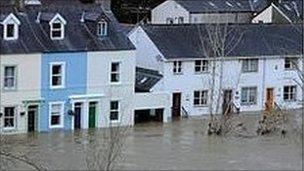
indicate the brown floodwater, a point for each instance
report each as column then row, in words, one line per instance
column 178, row 145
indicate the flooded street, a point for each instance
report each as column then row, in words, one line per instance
column 179, row 145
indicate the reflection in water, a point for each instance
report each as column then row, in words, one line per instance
column 177, row 145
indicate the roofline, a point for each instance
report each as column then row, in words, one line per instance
column 221, row 12
column 80, row 51
column 233, row 57
column 282, row 13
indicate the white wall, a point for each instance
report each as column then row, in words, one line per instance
column 169, row 9
column 28, row 85
column 271, row 74
column 147, row 55
column 99, row 83
column 265, row 16
column 221, row 18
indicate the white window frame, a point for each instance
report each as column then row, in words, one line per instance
column 290, row 93
column 248, row 95
column 169, row 20
column 14, row 118
column 292, row 65
column 115, row 110
column 102, row 29
column 115, row 72
column 11, row 19
column 14, row 77
column 63, row 65
column 61, row 29
column 201, row 98
column 181, row 20
column 250, row 64
column 204, row 66
column 61, row 125
column 177, row 67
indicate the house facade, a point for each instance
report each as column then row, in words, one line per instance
column 283, row 11
column 66, row 68
column 200, row 11
column 250, row 76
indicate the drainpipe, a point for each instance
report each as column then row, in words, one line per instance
column 263, row 82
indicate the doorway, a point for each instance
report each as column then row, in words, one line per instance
column 92, row 114
column 227, row 98
column 269, row 105
column 32, row 113
column 77, row 115
column 176, row 107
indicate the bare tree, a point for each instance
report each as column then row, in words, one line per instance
column 218, row 41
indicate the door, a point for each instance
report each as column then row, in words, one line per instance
column 92, row 114
column 176, row 105
column 32, row 112
column 227, row 98
column 269, row 99
column 77, row 116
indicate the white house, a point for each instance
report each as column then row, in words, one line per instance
column 282, row 11
column 203, row 11
column 257, row 66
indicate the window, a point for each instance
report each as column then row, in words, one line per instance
column 56, row 115
column 249, row 95
column 291, row 63
column 115, row 72
column 9, row 77
column 114, row 111
column 102, row 28
column 180, row 20
column 250, row 65
column 9, row 117
column 57, row 77
column 201, row 66
column 177, row 67
column 57, row 30
column 200, row 98
column 290, row 93
column 170, row 21
column 10, row 31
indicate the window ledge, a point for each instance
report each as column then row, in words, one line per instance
column 9, row 89
column 200, row 106
column 203, row 72
column 248, row 104
column 56, row 127
column 180, row 73
column 57, row 87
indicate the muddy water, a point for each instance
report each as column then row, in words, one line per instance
column 178, row 145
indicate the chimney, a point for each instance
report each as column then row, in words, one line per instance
column 19, row 4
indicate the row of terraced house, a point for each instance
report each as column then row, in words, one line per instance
column 67, row 65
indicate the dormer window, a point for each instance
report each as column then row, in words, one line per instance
column 57, row 30
column 102, row 29
column 57, row 25
column 11, row 27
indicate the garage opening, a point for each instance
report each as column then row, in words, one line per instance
column 148, row 115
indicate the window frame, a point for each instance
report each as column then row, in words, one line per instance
column 177, row 67
column 115, row 110
column 290, row 93
column 13, row 117
column 61, row 30
column 63, row 65
column 115, row 72
column 201, row 98
column 248, row 95
column 14, row 77
column 201, row 66
column 293, row 66
column 181, row 20
column 61, row 114
column 169, row 20
column 250, row 69
column 102, row 31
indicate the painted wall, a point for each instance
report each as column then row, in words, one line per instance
column 98, row 75
column 75, row 83
column 169, row 9
column 270, row 15
column 221, row 18
column 28, row 86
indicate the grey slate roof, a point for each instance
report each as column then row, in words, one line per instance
column 211, row 6
column 34, row 37
column 293, row 9
column 243, row 40
column 146, row 79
